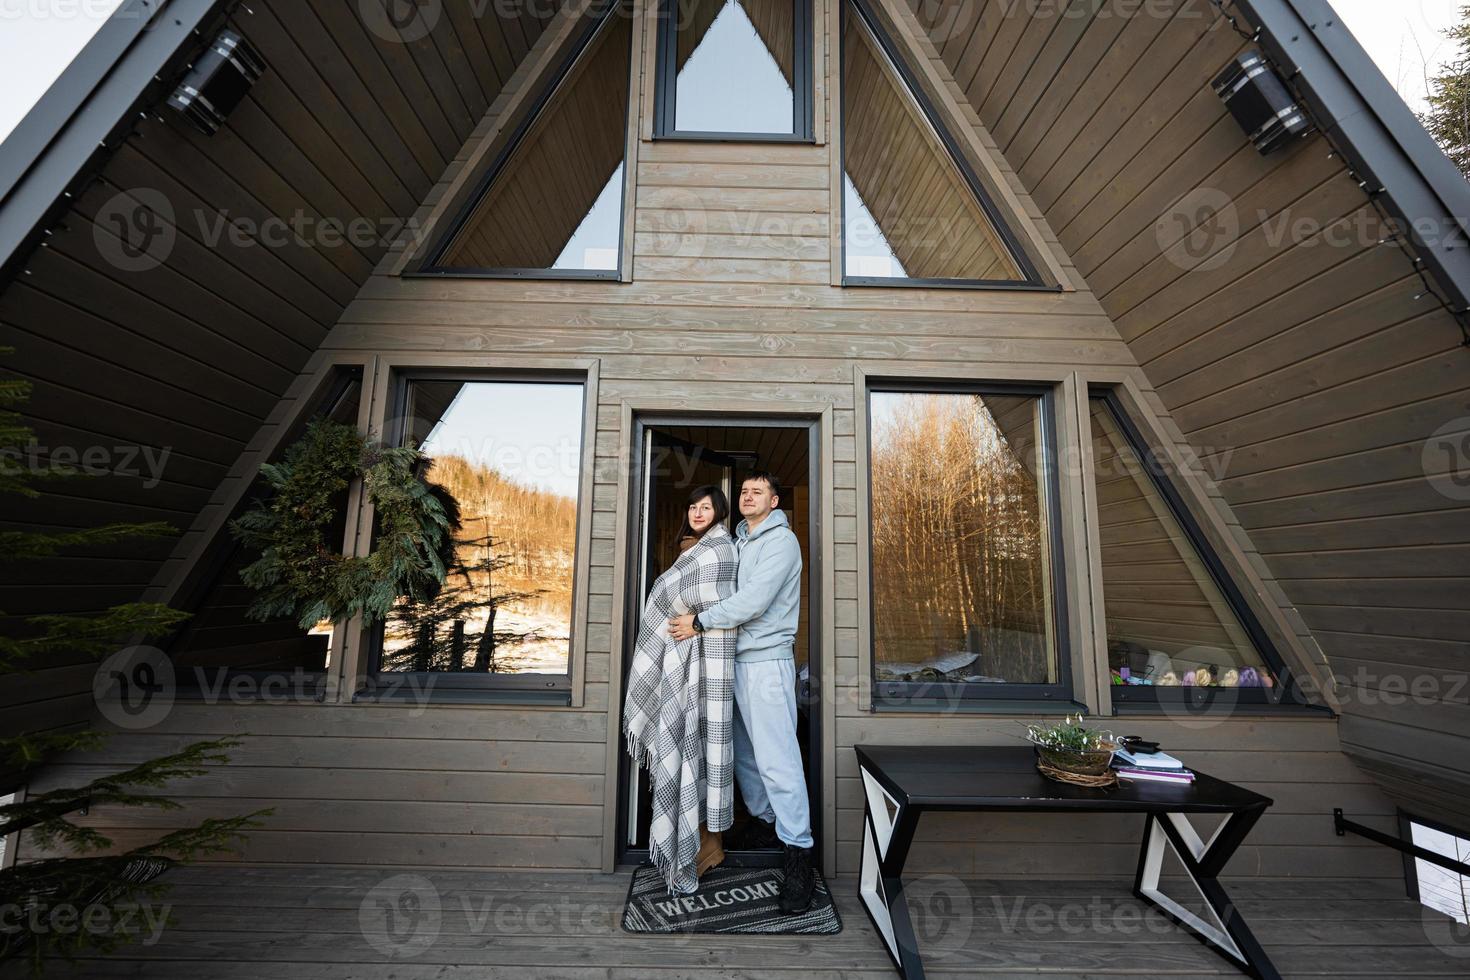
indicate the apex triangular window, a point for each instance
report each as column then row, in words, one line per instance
column 914, row 212
column 551, row 203
column 734, row 69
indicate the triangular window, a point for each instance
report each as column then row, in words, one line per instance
column 552, row 202
column 1177, row 624
column 220, row 635
column 913, row 210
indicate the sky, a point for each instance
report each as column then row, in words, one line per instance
column 1405, row 38
column 38, row 38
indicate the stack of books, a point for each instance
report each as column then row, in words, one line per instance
column 1159, row 767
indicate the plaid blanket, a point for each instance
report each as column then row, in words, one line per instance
column 679, row 708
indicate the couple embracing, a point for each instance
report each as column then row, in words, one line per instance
column 712, row 692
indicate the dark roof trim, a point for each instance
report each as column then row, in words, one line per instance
column 1384, row 140
column 92, row 106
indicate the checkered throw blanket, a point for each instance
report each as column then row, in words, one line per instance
column 679, row 708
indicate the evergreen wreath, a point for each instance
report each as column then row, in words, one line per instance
column 302, row 574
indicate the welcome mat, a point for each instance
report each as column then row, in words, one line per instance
column 728, row 900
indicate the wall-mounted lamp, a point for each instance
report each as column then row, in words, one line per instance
column 217, row 82
column 1260, row 101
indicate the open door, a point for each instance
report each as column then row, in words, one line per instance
column 671, row 468
column 675, row 455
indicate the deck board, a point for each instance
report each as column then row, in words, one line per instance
column 251, row 923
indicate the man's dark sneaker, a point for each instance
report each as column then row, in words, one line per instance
column 800, row 881
column 754, row 835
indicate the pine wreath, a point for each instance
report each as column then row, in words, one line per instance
column 302, row 574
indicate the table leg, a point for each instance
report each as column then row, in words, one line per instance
column 880, row 886
column 1203, row 862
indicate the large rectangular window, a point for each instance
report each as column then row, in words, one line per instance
column 1178, row 627
column 508, row 452
column 963, row 508
column 734, row 69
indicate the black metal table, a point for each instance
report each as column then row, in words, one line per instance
column 919, row 778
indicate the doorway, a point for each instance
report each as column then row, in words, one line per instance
column 673, row 455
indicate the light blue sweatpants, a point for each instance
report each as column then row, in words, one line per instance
column 767, row 758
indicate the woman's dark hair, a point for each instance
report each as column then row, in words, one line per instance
column 717, row 497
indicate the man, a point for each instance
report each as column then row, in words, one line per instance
column 767, row 758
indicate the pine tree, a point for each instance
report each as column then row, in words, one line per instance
column 1448, row 118
column 89, row 879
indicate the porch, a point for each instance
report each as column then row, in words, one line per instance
column 233, row 923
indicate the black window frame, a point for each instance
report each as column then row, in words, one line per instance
column 212, row 684
column 431, row 267
column 928, row 694
column 665, row 83
column 1032, row 281
column 444, row 686
column 1143, row 698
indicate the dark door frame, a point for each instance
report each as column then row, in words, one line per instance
column 633, row 604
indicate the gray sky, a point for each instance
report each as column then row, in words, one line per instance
column 39, row 37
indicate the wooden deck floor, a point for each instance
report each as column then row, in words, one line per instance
column 305, row 924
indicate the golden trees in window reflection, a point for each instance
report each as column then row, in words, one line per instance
column 506, row 606
column 958, row 564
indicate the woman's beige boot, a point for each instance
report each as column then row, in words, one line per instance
column 711, row 851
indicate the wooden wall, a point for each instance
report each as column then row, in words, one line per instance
column 1294, row 352
column 730, row 307
column 184, row 358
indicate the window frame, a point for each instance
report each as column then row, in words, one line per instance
column 1142, row 698
column 1033, row 280
column 430, row 266
column 665, row 84
column 213, row 684
column 444, row 686
column 927, row 695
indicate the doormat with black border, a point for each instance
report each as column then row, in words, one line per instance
column 729, row 899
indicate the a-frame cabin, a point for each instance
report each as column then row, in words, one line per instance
column 910, row 259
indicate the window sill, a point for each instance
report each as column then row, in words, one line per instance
column 978, row 706
column 1174, row 709
column 678, row 137
column 885, row 282
column 410, row 694
column 553, row 275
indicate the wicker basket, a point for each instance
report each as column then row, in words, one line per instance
column 1079, row 768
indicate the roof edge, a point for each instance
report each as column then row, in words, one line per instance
column 89, row 109
column 1387, row 145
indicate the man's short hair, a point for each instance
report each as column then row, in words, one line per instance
column 769, row 478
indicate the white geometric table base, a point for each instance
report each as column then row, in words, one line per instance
column 1202, row 861
column 886, row 843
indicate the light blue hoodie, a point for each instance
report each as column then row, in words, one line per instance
column 767, row 597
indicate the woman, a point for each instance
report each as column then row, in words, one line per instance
column 678, row 712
